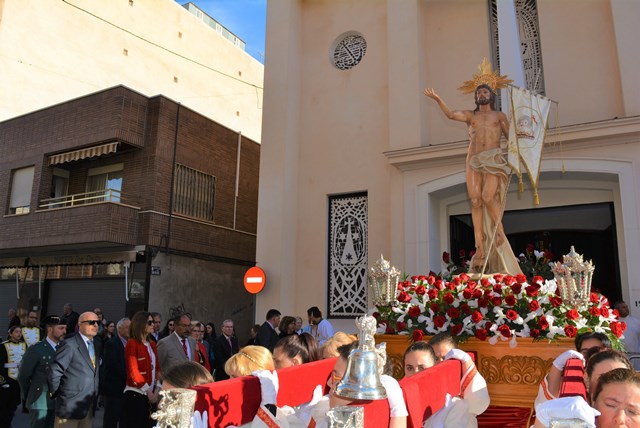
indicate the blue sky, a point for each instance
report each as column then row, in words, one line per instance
column 246, row 19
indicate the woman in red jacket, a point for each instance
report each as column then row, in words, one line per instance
column 143, row 371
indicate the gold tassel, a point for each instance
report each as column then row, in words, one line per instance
column 536, row 198
column 520, row 184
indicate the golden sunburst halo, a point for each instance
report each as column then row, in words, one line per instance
column 485, row 76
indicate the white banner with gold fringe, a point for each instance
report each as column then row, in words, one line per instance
column 527, row 131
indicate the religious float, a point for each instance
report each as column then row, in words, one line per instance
column 513, row 326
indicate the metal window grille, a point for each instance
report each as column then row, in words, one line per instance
column 194, row 193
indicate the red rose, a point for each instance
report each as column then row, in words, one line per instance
column 435, row 308
column 467, row 294
column 476, row 317
column 487, row 293
column 448, row 298
column 483, row 303
column 471, row 284
column 570, row 331
column 432, row 293
column 487, row 325
column 573, row 315
column 404, row 297
column 414, row 278
column 422, row 278
column 453, row 313
column 509, row 280
column 485, row 282
column 465, row 308
column 594, row 298
column 510, row 300
column 464, row 277
column 617, row 328
column 534, row 333
column 438, row 284
column 498, row 277
column 446, row 258
column 521, row 278
column 516, row 288
column 505, row 331
column 530, row 248
column 456, row 329
column 534, row 305
column 389, row 330
column 543, row 323
column 555, row 301
column 400, row 326
column 462, row 253
column 496, row 300
column 457, row 280
column 512, row 315
column 532, row 290
column 418, row 335
column 438, row 321
column 477, row 293
column 481, row 334
column 594, row 311
column 497, row 288
column 414, row 311
column 604, row 311
column 420, row 290
column 548, row 255
column 431, row 280
column 537, row 279
column 616, row 314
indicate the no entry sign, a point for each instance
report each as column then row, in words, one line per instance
column 254, row 280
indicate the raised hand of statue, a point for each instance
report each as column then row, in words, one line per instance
column 431, row 93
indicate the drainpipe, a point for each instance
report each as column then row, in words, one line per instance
column 173, row 177
column 235, row 200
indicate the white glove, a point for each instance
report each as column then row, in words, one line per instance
column 199, row 420
column 566, row 408
column 562, row 359
column 304, row 410
column 457, row 354
column 268, row 385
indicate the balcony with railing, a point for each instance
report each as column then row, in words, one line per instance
column 96, row 196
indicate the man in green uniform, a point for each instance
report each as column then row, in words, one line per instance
column 33, row 374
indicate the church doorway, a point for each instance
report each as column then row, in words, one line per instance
column 590, row 228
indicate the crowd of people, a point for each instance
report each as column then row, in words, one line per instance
column 62, row 369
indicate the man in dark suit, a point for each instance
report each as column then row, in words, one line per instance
column 73, row 379
column 113, row 376
column 224, row 346
column 34, row 371
column 71, row 317
column 179, row 346
column 267, row 335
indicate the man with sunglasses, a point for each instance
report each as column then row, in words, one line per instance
column 73, row 379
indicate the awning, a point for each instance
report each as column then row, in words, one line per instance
column 88, row 152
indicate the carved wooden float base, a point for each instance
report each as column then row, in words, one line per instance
column 512, row 374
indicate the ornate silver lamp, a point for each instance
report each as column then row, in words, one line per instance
column 383, row 279
column 175, row 408
column 361, row 380
column 346, row 417
column 573, row 277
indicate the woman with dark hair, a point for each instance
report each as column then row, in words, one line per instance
column 143, row 371
column 109, row 331
column 296, row 349
column 11, row 352
column 253, row 333
column 167, row 330
column 287, row 326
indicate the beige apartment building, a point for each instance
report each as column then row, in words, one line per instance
column 53, row 51
column 356, row 162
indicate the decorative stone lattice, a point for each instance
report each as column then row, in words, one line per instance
column 349, row 51
column 527, row 15
column 348, row 250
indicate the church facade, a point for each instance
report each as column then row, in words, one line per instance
column 356, row 162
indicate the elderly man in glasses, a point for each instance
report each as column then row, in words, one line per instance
column 73, row 379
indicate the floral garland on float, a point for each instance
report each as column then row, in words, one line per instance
column 495, row 308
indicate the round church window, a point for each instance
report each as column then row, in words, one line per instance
column 348, row 50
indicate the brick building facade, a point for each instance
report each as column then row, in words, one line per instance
column 99, row 208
